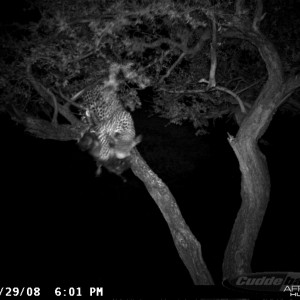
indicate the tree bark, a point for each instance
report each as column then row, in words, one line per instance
column 255, row 182
column 189, row 249
column 47, row 130
column 255, row 192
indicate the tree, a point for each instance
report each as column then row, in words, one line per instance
column 192, row 52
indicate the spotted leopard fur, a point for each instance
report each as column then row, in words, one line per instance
column 110, row 125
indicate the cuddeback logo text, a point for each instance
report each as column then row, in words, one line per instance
column 279, row 282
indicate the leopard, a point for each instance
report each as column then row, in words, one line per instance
column 110, row 135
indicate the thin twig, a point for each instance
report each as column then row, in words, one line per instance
column 258, row 16
column 69, row 101
column 55, row 107
column 213, row 54
column 172, row 67
column 234, row 95
column 250, row 86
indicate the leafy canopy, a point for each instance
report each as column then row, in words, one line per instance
column 71, row 44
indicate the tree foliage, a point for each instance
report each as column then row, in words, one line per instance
column 70, row 46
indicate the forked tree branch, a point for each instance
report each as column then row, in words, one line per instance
column 50, row 98
column 234, row 95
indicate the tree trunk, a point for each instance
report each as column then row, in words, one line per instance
column 255, row 192
column 255, row 183
column 189, row 249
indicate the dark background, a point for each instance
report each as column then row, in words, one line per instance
column 59, row 221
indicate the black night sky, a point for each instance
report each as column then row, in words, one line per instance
column 58, row 219
column 59, row 222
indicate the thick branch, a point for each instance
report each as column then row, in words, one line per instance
column 187, row 245
column 271, row 95
column 46, row 130
column 255, row 192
